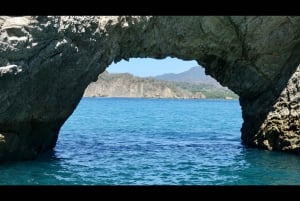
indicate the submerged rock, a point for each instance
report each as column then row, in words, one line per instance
column 47, row 62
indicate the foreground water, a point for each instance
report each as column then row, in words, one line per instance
column 120, row 141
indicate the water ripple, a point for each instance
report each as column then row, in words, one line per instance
column 153, row 141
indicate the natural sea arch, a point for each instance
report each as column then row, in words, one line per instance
column 47, row 62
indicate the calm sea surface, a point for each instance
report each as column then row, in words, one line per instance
column 122, row 141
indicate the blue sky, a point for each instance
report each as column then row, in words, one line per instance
column 151, row 67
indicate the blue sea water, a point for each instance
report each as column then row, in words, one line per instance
column 129, row 141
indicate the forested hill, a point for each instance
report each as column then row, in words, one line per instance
column 194, row 75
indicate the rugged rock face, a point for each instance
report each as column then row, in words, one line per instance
column 127, row 85
column 280, row 129
column 47, row 62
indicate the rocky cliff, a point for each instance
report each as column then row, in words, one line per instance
column 127, row 85
column 47, row 62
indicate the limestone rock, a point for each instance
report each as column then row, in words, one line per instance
column 46, row 63
column 127, row 85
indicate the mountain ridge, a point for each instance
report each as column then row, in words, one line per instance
column 128, row 85
column 194, row 75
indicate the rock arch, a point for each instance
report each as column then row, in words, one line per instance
column 47, row 62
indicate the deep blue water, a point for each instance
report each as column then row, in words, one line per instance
column 113, row 141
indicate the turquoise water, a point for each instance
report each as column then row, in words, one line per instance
column 120, row 141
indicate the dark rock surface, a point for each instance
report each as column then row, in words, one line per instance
column 47, row 62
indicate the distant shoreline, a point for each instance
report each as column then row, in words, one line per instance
column 121, row 97
column 185, row 86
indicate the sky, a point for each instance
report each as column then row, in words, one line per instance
column 151, row 67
